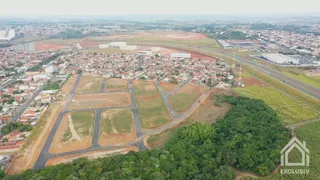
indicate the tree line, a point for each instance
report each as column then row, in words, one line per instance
column 249, row 137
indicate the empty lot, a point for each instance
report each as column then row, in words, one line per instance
column 89, row 84
column 151, row 107
column 74, row 132
column 99, row 100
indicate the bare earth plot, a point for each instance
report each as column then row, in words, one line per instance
column 89, row 84
column 90, row 155
column 168, row 87
column 99, row 100
column 152, row 110
column 117, row 127
column 116, row 84
column 74, row 132
column 184, row 97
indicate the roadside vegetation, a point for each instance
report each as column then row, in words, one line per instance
column 44, row 62
column 289, row 109
column 249, row 138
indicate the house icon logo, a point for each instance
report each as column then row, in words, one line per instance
column 302, row 147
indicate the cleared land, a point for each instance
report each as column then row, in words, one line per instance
column 116, row 127
column 116, row 84
column 249, row 81
column 31, row 149
column 289, row 109
column 90, row 155
column 74, row 132
column 99, row 100
column 152, row 110
column 208, row 113
column 89, row 84
column 185, row 96
column 168, row 87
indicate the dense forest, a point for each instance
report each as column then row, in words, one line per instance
column 250, row 137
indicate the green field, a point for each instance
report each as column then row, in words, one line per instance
column 152, row 110
column 312, row 81
column 309, row 133
column 290, row 110
column 83, row 122
column 95, row 87
column 181, row 101
column 121, row 119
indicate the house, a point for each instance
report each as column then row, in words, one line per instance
column 301, row 146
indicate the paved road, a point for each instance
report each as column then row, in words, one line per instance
column 26, row 104
column 137, row 122
column 96, row 129
column 44, row 154
column 103, row 85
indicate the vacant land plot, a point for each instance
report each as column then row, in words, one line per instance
column 168, row 87
column 74, row 132
column 152, row 110
column 309, row 133
column 249, row 81
column 185, row 96
column 116, row 127
column 115, row 84
column 99, row 100
column 290, row 110
column 89, row 84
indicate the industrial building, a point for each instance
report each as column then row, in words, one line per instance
column 225, row 44
column 7, row 35
column 117, row 44
column 180, row 55
column 279, row 58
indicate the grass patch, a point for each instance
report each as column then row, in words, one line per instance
column 66, row 135
column 181, row 101
column 151, row 107
column 122, row 120
column 95, row 87
column 105, row 126
column 83, row 122
column 89, row 84
column 289, row 110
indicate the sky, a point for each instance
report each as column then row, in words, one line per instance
column 124, row 7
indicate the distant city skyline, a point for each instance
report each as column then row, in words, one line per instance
column 174, row 7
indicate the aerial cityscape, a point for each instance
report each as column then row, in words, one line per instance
column 166, row 96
